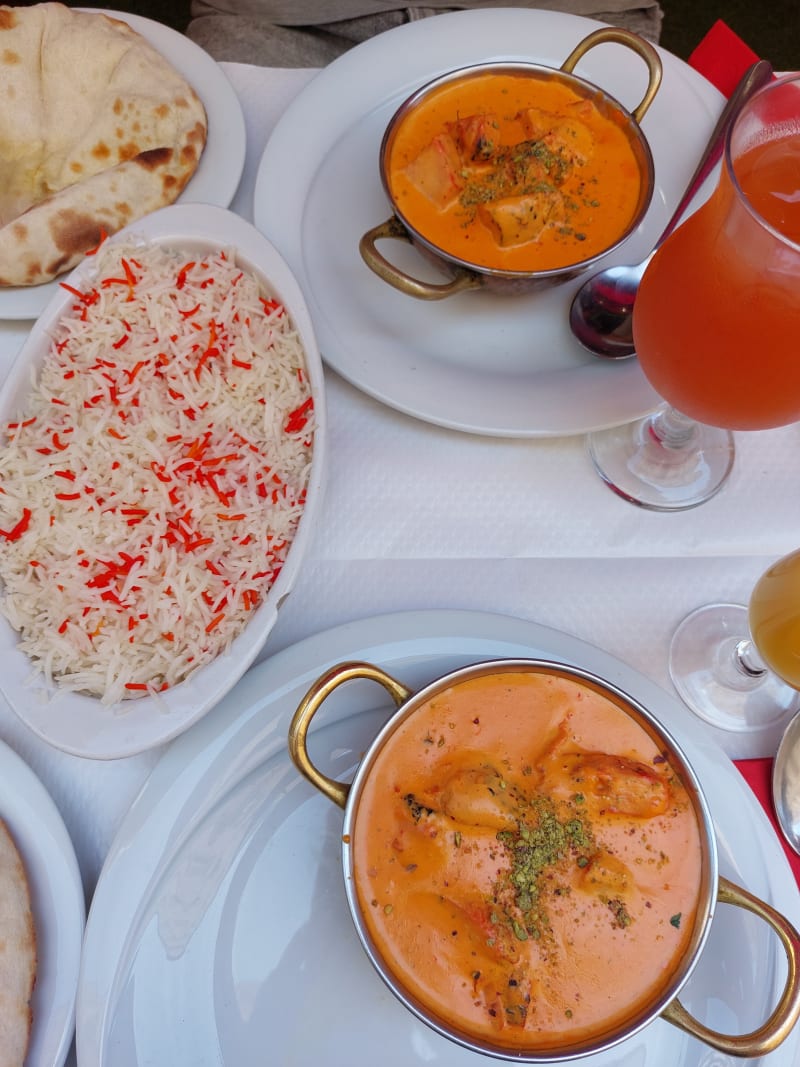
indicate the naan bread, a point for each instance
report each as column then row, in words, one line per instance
column 97, row 129
column 17, row 954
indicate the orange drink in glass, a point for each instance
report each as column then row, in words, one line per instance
column 718, row 310
column 716, row 318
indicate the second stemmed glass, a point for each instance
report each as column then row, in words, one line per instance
column 739, row 668
column 716, row 317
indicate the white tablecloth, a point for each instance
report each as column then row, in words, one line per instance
column 420, row 517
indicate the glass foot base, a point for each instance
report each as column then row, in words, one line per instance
column 655, row 465
column 719, row 676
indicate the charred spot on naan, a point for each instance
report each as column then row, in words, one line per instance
column 72, row 232
column 10, row 57
column 195, row 143
column 157, row 160
column 153, row 158
column 19, row 234
column 193, row 149
column 197, row 135
column 8, row 18
column 131, row 150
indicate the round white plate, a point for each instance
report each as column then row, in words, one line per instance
column 217, row 176
column 220, row 926
column 13, row 334
column 81, row 724
column 58, row 904
column 480, row 362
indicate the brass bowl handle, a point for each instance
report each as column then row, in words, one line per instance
column 310, row 705
column 777, row 1027
column 393, row 229
column 629, row 40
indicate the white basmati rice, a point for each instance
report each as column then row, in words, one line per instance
column 151, row 488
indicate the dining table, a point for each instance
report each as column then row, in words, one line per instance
column 419, row 517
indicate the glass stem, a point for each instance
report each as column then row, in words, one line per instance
column 748, row 660
column 671, row 429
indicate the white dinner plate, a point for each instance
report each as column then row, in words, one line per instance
column 480, row 362
column 220, row 929
column 13, row 334
column 82, row 724
column 217, row 176
column 59, row 909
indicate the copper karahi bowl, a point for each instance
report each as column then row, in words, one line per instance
column 467, row 164
column 518, row 824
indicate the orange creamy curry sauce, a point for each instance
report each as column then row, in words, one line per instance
column 513, row 173
column 526, row 861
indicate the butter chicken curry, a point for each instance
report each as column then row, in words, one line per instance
column 513, row 173
column 526, row 860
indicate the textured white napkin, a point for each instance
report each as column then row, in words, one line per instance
column 420, row 517
column 416, row 516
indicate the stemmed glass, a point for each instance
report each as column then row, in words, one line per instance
column 739, row 668
column 717, row 316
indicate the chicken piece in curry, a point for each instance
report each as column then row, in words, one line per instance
column 513, row 173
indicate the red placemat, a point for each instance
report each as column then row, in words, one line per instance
column 723, row 57
column 758, row 775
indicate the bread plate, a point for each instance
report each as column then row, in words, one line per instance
column 217, row 176
column 57, row 902
column 83, row 724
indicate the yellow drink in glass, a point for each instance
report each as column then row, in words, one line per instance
column 774, row 616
